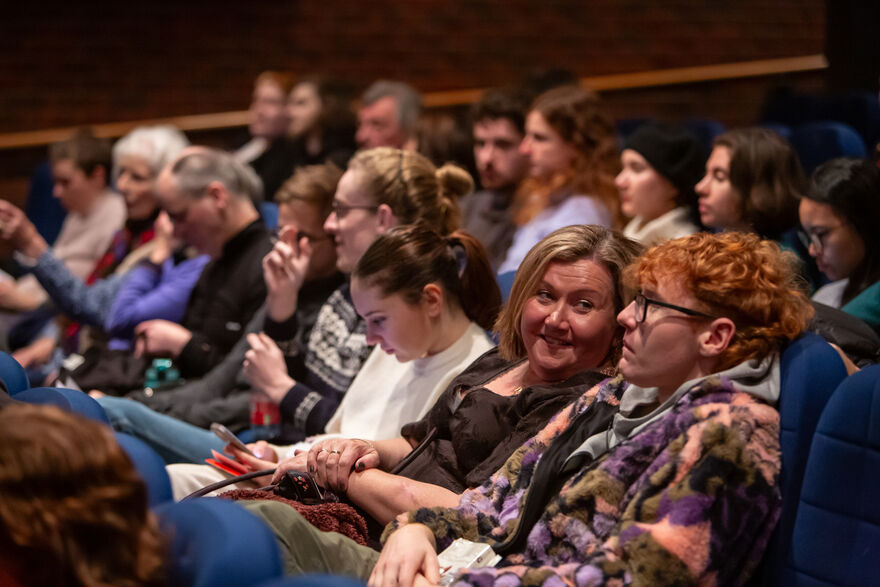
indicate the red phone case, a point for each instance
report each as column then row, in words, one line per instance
column 224, row 463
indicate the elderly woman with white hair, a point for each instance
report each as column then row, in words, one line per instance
column 138, row 158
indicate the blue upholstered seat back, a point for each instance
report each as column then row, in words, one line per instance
column 811, row 370
column 70, row 400
column 13, row 374
column 150, row 466
column 837, row 531
column 217, row 543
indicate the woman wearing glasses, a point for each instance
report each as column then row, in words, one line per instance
column 841, row 214
column 680, row 487
column 382, row 188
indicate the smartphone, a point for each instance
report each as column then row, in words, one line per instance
column 225, row 435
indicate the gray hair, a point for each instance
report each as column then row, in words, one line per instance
column 409, row 102
column 157, row 145
column 194, row 172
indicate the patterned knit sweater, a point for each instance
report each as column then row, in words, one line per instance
column 691, row 498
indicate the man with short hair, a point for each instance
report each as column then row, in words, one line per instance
column 388, row 116
column 209, row 197
column 499, row 122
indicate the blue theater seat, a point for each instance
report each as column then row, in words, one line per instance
column 782, row 130
column 217, row 543
column 269, row 212
column 69, row 400
column 13, row 374
column 837, row 531
column 818, row 142
column 810, row 371
column 505, row 283
column 150, row 466
column 705, row 129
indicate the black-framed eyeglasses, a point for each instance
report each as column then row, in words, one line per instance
column 341, row 210
column 642, row 304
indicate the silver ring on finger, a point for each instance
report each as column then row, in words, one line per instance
column 323, row 450
column 335, row 452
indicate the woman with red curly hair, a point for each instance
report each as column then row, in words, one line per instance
column 73, row 511
column 681, row 487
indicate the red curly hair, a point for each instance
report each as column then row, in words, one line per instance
column 73, row 510
column 737, row 276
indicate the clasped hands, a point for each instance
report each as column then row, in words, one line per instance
column 409, row 556
column 330, row 462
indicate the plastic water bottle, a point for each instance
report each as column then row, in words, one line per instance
column 265, row 417
column 160, row 373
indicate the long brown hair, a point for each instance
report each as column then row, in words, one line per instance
column 580, row 119
column 766, row 172
column 73, row 511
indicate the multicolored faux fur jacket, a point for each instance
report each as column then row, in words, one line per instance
column 691, row 498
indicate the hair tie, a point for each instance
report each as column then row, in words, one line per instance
column 458, row 253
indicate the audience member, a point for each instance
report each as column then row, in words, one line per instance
column 840, row 213
column 137, row 159
column 223, row 394
column 572, row 150
column 322, row 123
column 693, row 446
column 388, row 116
column 558, row 337
column 73, row 510
column 268, row 151
column 208, row 196
column 752, row 184
column 80, row 171
column 427, row 300
column 661, row 165
column 498, row 129
column 382, row 188
column 304, row 202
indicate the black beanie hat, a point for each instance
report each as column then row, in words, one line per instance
column 673, row 152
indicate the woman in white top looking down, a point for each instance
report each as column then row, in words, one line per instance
column 427, row 301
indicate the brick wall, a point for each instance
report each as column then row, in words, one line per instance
column 99, row 61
